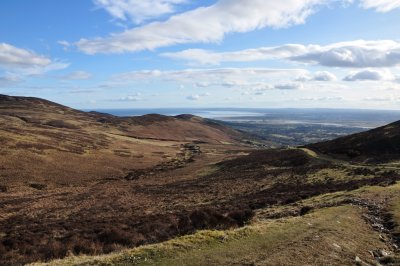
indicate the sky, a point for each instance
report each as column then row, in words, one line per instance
column 94, row 54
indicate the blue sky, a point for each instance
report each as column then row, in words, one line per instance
column 94, row 54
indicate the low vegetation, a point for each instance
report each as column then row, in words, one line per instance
column 333, row 235
column 119, row 186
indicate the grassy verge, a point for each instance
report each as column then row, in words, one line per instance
column 330, row 236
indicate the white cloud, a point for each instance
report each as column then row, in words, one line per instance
column 13, row 57
column 384, row 98
column 377, row 99
column 202, row 84
column 321, row 99
column 36, row 70
column 138, row 10
column 370, row 74
column 131, row 98
column 77, row 75
column 204, row 25
column 196, row 97
column 381, row 5
column 317, row 76
column 324, row 76
column 289, row 86
column 204, row 57
column 227, row 76
column 244, row 78
column 27, row 62
column 66, row 45
column 353, row 54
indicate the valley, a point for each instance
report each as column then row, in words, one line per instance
column 107, row 184
column 200, row 133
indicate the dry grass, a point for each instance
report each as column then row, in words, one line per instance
column 161, row 203
column 98, row 184
column 332, row 236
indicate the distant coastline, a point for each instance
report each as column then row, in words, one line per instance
column 362, row 118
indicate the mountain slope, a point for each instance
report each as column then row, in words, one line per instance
column 381, row 145
column 74, row 183
column 41, row 141
column 45, row 113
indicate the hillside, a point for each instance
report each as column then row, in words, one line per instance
column 296, row 209
column 381, row 145
column 42, row 141
column 336, row 235
column 42, row 113
column 165, row 190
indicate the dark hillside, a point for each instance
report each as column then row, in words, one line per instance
column 381, row 144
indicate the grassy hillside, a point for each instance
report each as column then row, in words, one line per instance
column 76, row 183
column 381, row 145
column 204, row 194
column 338, row 234
column 50, row 144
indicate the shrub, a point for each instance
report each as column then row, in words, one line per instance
column 53, row 249
column 115, row 236
column 200, row 219
column 304, row 210
column 208, row 218
column 241, row 217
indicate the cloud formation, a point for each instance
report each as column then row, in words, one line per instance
column 205, row 57
column 381, row 5
column 321, row 99
column 317, row 76
column 289, row 86
column 220, row 77
column 208, row 73
column 324, row 76
column 196, row 97
column 353, row 54
column 131, row 98
column 370, row 74
column 138, row 10
column 204, row 25
column 14, row 58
